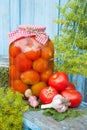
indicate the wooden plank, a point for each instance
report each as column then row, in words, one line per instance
column 27, row 12
column 36, row 119
column 40, row 13
column 4, row 26
column 45, row 13
column 80, row 82
column 9, row 15
column 14, row 12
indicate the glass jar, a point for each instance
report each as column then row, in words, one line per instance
column 31, row 54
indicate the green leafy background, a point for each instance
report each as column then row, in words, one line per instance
column 71, row 43
column 12, row 107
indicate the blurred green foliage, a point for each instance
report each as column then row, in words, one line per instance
column 4, row 76
column 12, row 107
column 71, row 43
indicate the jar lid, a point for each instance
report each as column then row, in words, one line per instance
column 29, row 30
column 33, row 27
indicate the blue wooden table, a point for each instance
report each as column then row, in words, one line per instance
column 35, row 120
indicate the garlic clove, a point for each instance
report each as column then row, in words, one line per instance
column 62, row 109
column 28, row 93
column 34, row 103
column 32, row 97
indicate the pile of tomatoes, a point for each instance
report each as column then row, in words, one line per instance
column 31, row 67
column 59, row 83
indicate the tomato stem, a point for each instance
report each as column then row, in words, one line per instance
column 50, row 90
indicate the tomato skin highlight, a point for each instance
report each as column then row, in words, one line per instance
column 47, row 94
column 70, row 86
column 74, row 96
column 58, row 80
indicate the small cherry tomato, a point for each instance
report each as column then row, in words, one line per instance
column 58, row 80
column 74, row 96
column 47, row 94
column 70, row 86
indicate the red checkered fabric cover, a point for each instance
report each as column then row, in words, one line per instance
column 30, row 30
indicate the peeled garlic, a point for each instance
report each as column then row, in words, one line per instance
column 28, row 93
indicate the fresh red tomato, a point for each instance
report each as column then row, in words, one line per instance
column 74, row 96
column 47, row 94
column 70, row 86
column 58, row 80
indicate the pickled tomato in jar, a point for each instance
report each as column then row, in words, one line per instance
column 31, row 54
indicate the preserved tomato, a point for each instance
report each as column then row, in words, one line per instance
column 31, row 54
column 40, row 65
column 19, row 86
column 30, row 77
column 22, row 63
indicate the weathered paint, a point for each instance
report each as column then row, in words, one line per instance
column 16, row 12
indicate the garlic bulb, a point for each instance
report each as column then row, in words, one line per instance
column 33, row 101
column 59, row 103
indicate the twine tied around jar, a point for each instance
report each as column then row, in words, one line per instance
column 28, row 31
